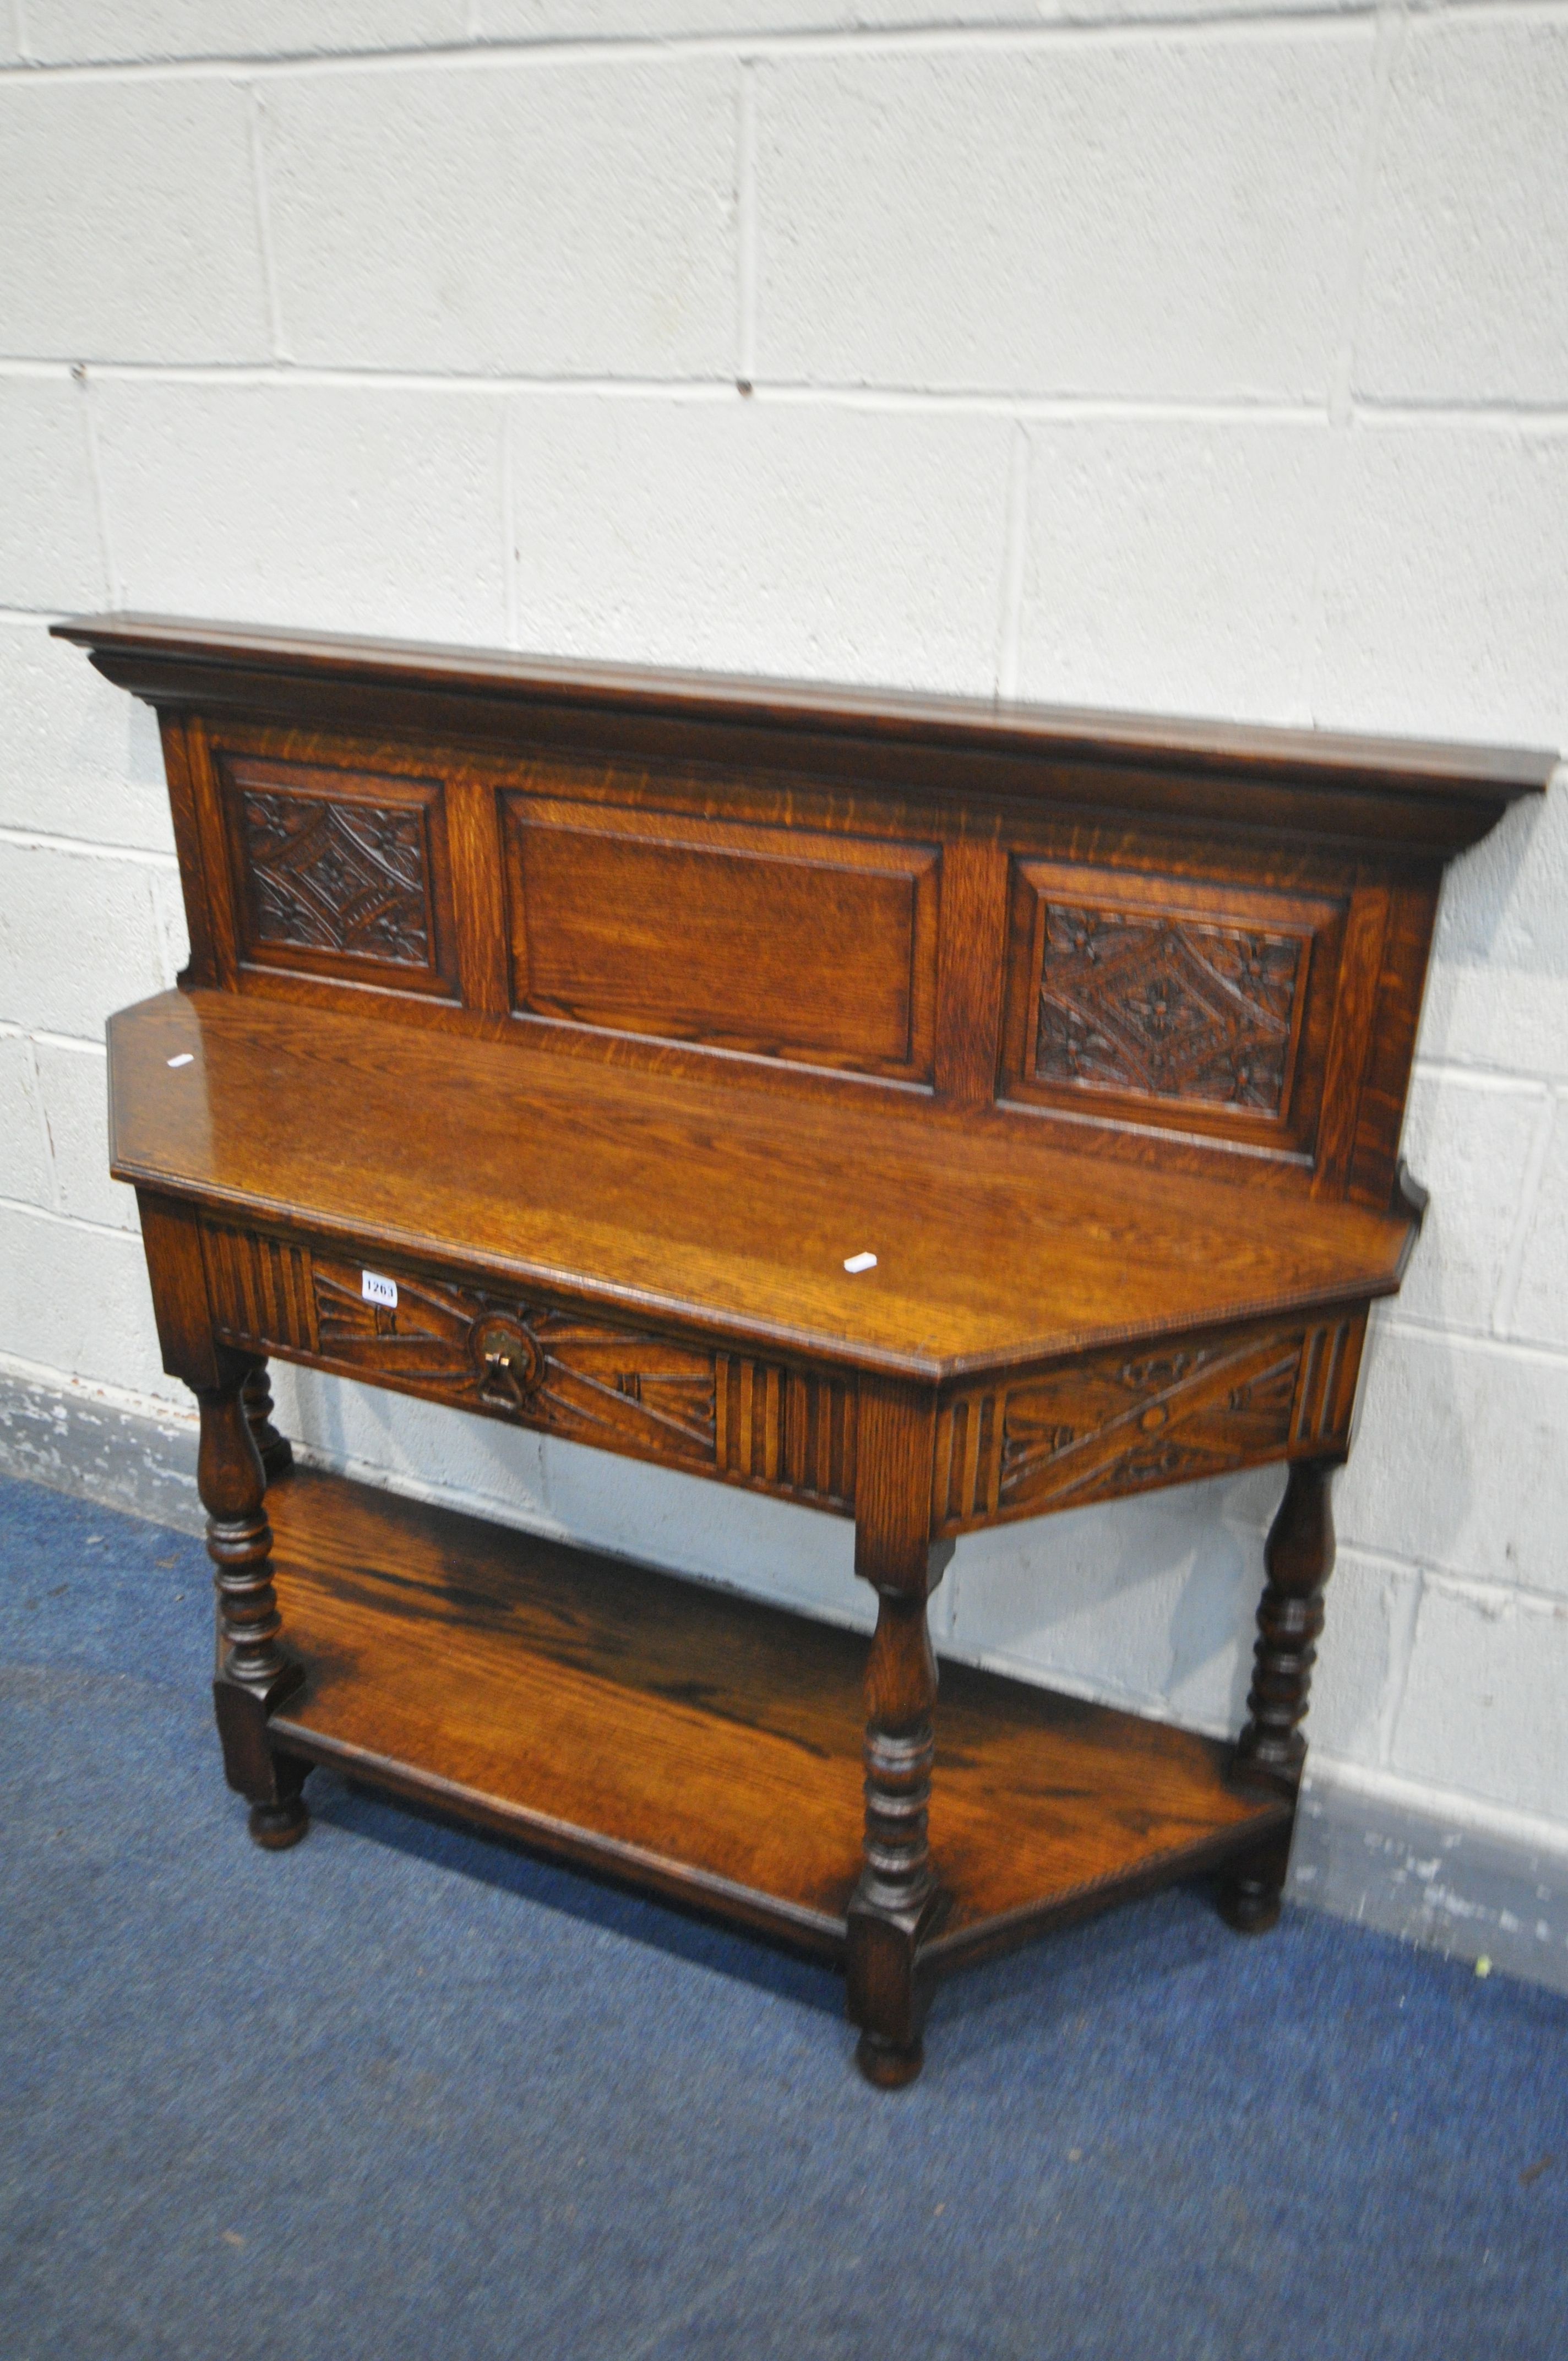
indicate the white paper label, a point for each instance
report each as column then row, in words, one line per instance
column 184, row 1059
column 377, row 1290
column 861, row 1262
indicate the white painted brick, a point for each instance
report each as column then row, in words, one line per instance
column 1132, row 12
column 355, row 509
column 169, row 921
column 1149, row 1602
column 65, row 32
column 532, row 219
column 1498, row 986
column 1444, row 601
column 74, row 1081
column 762, row 535
column 769, row 1547
column 1540, row 1309
column 1470, row 1145
column 77, row 757
column 1483, row 1704
column 494, row 1466
column 76, row 1301
column 1368, row 1608
column 1498, row 992
column 525, row 20
column 1506, row 900
column 50, row 553
column 1460, row 1461
column 1462, row 295
column 1484, row 1016
column 1158, row 216
column 1170, row 565
column 79, row 937
column 23, row 1146
column 141, row 240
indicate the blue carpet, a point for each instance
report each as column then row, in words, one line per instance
column 403, row 2093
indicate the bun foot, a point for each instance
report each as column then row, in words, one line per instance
column 886, row 2064
column 276, row 1826
column 1250, row 1905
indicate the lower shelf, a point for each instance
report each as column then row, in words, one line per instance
column 701, row 1745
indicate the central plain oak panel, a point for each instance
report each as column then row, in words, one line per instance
column 697, row 931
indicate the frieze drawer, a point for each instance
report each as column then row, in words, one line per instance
column 755, row 1422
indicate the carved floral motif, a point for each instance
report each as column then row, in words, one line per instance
column 347, row 877
column 1166, row 1008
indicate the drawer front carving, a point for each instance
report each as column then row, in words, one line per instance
column 1128, row 1422
column 551, row 1370
column 748, row 1422
column 340, row 874
column 1142, row 999
column 776, row 942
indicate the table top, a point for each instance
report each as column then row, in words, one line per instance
column 711, row 1205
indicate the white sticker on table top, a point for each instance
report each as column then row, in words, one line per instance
column 377, row 1290
column 859, row 1262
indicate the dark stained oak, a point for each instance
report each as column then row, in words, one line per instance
column 553, row 1035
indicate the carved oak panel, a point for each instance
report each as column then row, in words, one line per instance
column 749, row 1422
column 340, row 874
column 338, row 877
column 1166, row 1006
column 1144, row 999
column 1121, row 1423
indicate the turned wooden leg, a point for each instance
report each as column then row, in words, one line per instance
column 255, row 1674
column 277, row 1452
column 899, row 1896
column 1271, row 1751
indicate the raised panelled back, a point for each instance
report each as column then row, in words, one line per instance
column 1167, row 993
column 777, row 942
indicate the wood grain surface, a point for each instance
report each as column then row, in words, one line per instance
column 726, row 1211
column 132, row 647
column 699, row 1742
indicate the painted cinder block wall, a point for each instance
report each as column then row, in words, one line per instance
column 1071, row 351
